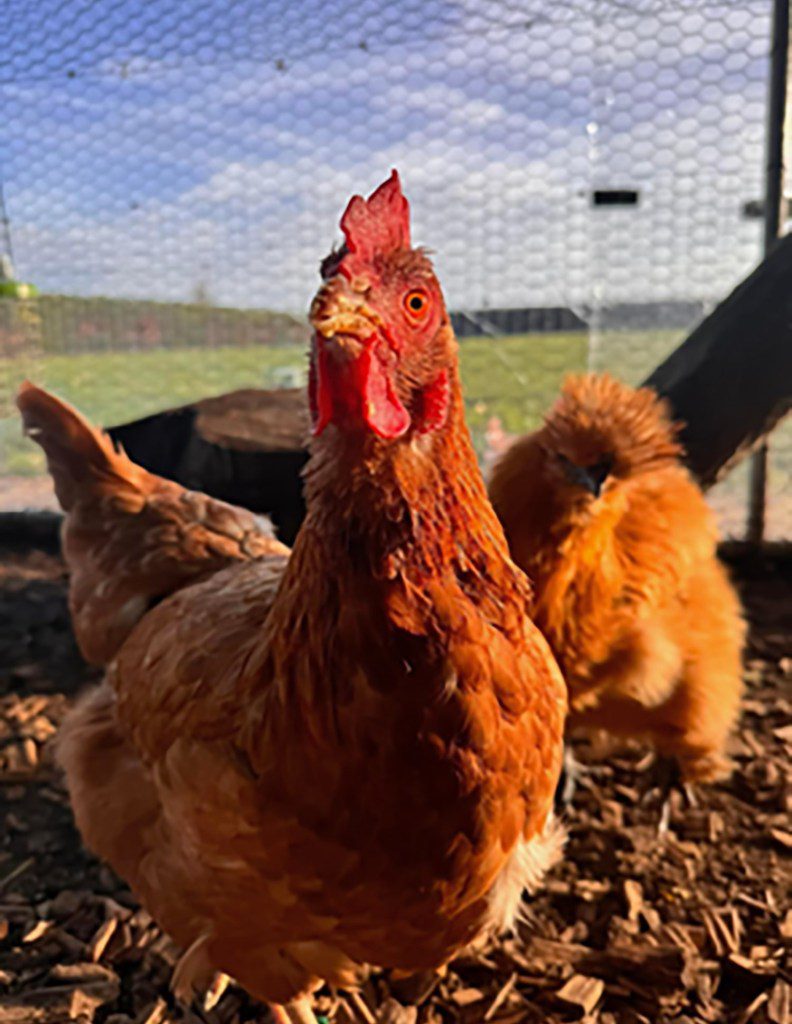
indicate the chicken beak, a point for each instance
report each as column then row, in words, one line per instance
column 349, row 384
column 590, row 478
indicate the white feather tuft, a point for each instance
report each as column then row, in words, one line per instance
column 524, row 871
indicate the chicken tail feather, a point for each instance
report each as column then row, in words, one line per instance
column 81, row 459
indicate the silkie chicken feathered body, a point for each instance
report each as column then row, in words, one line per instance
column 348, row 758
column 621, row 547
column 129, row 538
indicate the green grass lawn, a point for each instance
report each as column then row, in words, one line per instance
column 113, row 387
column 515, row 378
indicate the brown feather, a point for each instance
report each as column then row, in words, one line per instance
column 129, row 538
column 436, row 753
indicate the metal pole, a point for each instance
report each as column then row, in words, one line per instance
column 773, row 220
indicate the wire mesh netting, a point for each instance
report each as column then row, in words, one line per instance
column 585, row 172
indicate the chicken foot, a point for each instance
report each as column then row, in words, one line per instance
column 571, row 772
column 669, row 781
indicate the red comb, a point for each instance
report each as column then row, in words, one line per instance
column 377, row 225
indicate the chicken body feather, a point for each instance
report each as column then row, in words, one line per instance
column 346, row 758
column 129, row 538
column 629, row 591
column 364, row 787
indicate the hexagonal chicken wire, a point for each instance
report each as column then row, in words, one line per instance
column 173, row 172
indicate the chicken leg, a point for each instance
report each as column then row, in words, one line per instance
column 669, row 780
column 571, row 772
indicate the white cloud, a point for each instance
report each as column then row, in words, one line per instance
column 487, row 127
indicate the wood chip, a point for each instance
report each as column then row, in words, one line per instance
column 29, row 708
column 750, row 1011
column 548, row 951
column 20, row 869
column 515, row 1017
column 392, row 1012
column 501, row 997
column 779, row 1005
column 661, row 968
column 116, row 909
column 592, row 889
column 42, row 728
column 82, row 972
column 39, row 929
column 14, row 1012
column 361, row 1007
column 581, row 993
column 724, row 929
column 701, row 825
column 753, row 744
column 466, row 996
column 88, row 997
column 30, row 752
column 154, row 1014
column 141, row 919
column 633, row 895
column 104, row 933
column 120, row 942
column 689, row 937
column 344, row 1013
column 69, row 943
column 782, row 837
column 215, row 990
column 750, row 901
column 745, row 966
column 60, row 1003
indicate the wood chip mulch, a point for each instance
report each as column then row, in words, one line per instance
column 693, row 926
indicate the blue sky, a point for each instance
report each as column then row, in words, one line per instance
column 147, row 148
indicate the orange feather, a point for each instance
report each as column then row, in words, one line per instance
column 629, row 590
column 129, row 538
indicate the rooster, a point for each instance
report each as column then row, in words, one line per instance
column 621, row 547
column 129, row 538
column 308, row 766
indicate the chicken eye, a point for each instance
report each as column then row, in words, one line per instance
column 417, row 304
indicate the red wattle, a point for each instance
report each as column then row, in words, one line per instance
column 354, row 392
column 435, row 400
column 320, row 398
column 383, row 410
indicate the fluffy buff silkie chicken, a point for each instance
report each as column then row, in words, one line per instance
column 129, row 538
column 621, row 547
column 306, row 766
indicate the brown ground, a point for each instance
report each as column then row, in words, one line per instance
column 632, row 929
